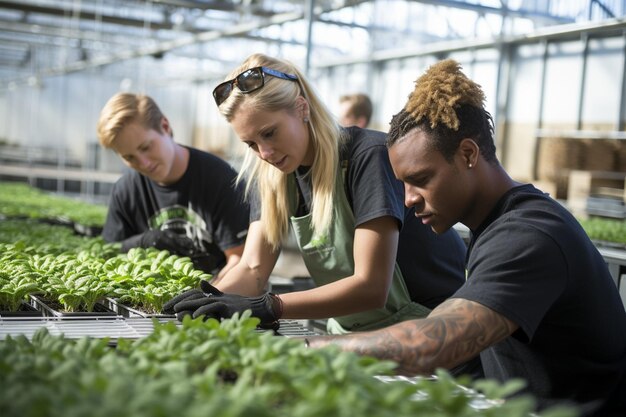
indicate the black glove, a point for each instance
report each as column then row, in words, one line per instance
column 212, row 303
column 161, row 239
column 208, row 262
column 194, row 294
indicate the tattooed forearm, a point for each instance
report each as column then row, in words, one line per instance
column 453, row 333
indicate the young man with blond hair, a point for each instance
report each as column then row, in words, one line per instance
column 175, row 197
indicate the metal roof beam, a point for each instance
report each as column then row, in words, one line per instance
column 201, row 5
column 64, row 11
column 612, row 27
column 166, row 46
column 218, row 5
column 503, row 11
column 57, row 32
column 382, row 29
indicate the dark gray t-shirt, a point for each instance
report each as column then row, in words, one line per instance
column 532, row 262
column 432, row 265
column 204, row 205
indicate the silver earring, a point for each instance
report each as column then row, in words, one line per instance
column 305, row 120
column 469, row 166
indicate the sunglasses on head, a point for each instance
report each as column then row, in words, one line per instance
column 248, row 81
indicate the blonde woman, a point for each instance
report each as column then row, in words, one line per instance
column 374, row 263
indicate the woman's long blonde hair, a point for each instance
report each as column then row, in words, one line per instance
column 325, row 135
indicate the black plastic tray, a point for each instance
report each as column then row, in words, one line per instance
column 100, row 310
column 126, row 311
column 90, row 231
column 57, row 221
column 26, row 310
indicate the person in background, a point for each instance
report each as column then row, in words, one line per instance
column 355, row 110
column 374, row 263
column 539, row 302
column 175, row 197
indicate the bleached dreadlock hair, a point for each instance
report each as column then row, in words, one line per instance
column 448, row 107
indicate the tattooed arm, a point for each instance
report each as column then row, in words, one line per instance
column 454, row 332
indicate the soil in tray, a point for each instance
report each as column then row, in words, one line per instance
column 54, row 308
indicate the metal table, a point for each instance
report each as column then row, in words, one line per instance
column 112, row 327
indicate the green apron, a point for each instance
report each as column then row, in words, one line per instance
column 330, row 258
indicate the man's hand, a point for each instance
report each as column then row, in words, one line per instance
column 212, row 303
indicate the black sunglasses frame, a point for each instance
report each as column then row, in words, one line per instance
column 225, row 89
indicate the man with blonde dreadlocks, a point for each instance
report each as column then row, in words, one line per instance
column 539, row 302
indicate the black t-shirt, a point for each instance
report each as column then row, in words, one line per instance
column 432, row 265
column 532, row 262
column 204, row 205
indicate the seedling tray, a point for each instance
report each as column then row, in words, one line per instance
column 127, row 311
column 26, row 310
column 90, row 231
column 112, row 327
column 50, row 309
column 78, row 327
column 57, row 221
